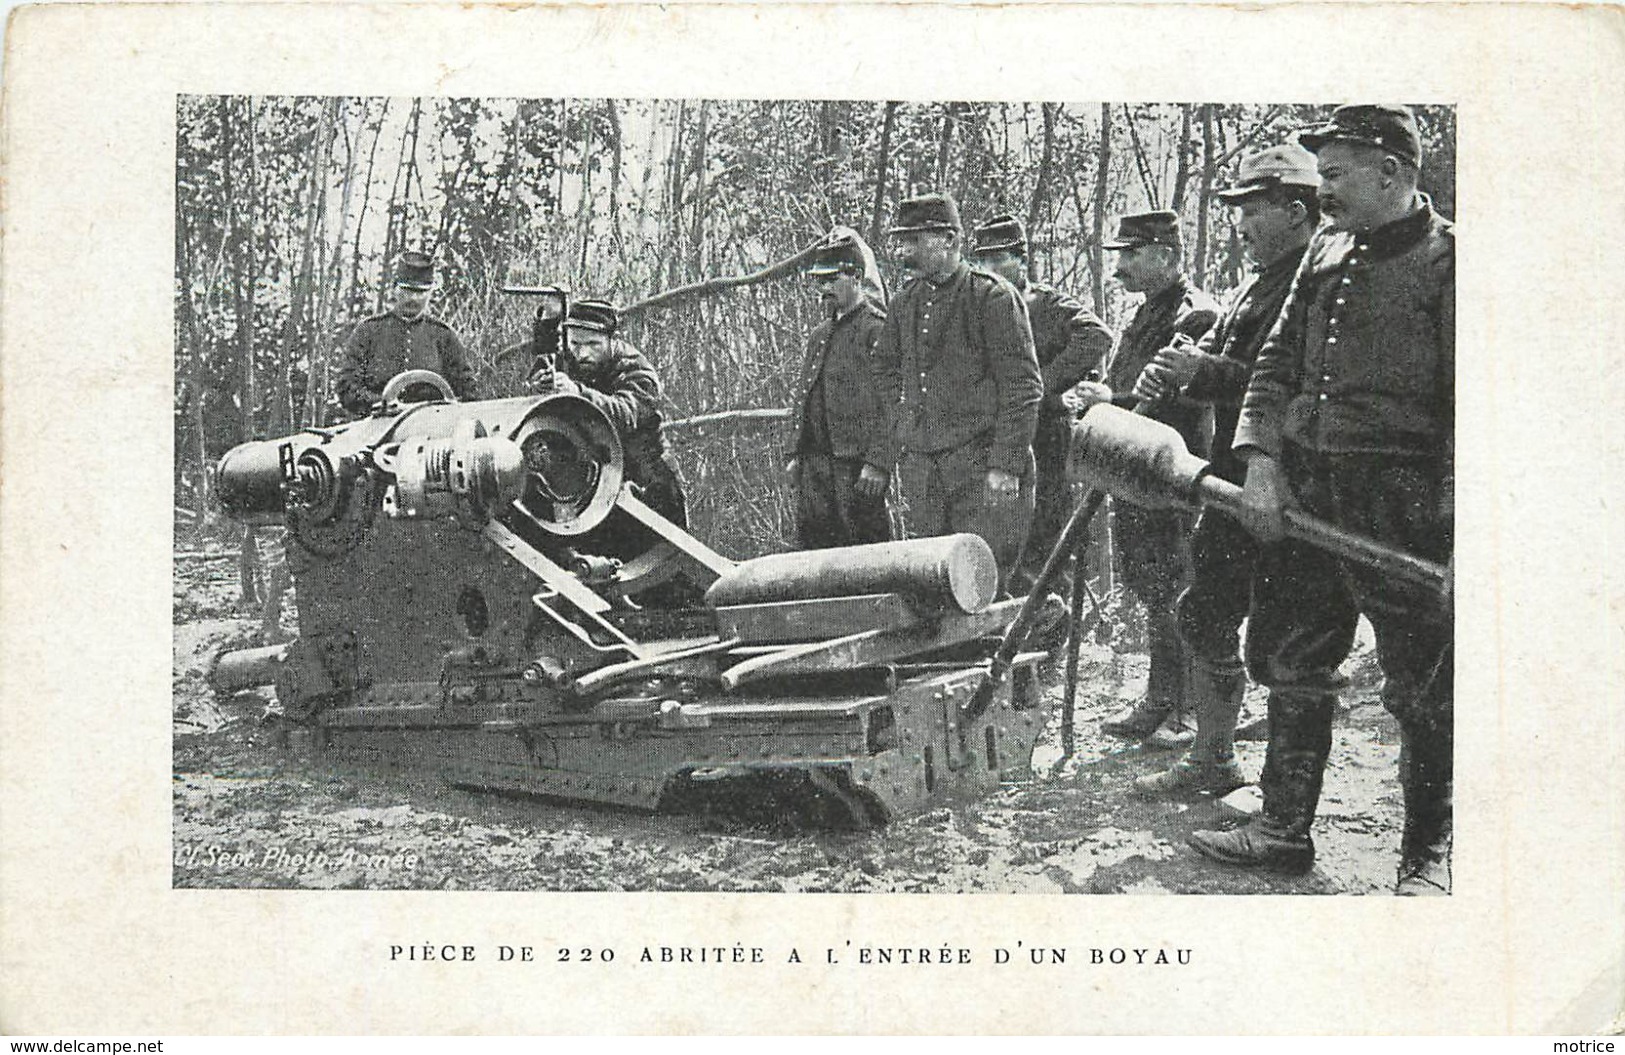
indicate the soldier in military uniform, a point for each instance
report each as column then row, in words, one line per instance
column 1150, row 547
column 403, row 338
column 1350, row 414
column 956, row 363
column 838, row 464
column 1071, row 343
column 1276, row 212
column 615, row 377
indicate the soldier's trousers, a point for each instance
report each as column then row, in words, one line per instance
column 1052, row 501
column 1151, row 550
column 1314, row 600
column 829, row 509
column 946, row 492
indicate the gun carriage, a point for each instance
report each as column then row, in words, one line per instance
column 468, row 579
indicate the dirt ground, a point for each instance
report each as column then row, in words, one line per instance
column 248, row 813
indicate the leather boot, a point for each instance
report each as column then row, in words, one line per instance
column 1215, row 692
column 1426, row 769
column 1164, row 687
column 1294, row 769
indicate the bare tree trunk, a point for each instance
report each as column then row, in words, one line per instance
column 696, row 238
column 616, row 150
column 1204, row 200
column 1141, row 165
column 882, row 167
column 1097, row 228
column 366, row 192
column 1035, row 208
column 945, row 144
column 1182, row 159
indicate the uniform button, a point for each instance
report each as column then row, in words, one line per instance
column 1323, row 397
column 1331, row 340
column 1325, row 377
column 1346, row 280
column 1342, row 301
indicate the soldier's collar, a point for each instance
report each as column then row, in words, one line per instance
column 1399, row 235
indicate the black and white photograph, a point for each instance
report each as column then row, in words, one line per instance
column 718, row 519
column 687, row 494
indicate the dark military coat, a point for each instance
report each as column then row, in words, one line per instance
column 1070, row 340
column 1180, row 308
column 842, row 413
column 1229, row 349
column 956, row 361
column 1362, row 358
column 384, row 345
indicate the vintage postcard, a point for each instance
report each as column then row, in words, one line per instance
column 795, row 503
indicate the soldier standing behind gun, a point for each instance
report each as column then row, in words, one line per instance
column 1150, row 546
column 1274, row 197
column 957, row 367
column 1351, row 414
column 1071, row 342
column 838, row 465
column 403, row 338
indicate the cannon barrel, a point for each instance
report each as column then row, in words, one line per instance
column 1144, row 462
column 948, row 572
column 246, row 668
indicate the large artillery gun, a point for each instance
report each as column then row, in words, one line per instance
column 469, row 578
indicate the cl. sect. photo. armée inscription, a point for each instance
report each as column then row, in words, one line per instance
column 859, row 496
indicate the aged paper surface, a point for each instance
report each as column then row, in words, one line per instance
column 95, row 940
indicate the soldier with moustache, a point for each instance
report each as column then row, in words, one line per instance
column 403, row 338
column 1150, row 546
column 1071, row 343
column 839, row 465
column 1276, row 211
column 1350, row 414
column 957, row 368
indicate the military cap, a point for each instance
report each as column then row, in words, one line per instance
column 1001, row 233
column 835, row 256
column 592, row 314
column 1147, row 228
column 1287, row 165
column 928, row 212
column 1389, row 128
column 414, row 270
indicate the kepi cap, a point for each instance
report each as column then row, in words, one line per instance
column 839, row 254
column 600, row 316
column 1001, row 233
column 928, row 212
column 1147, row 228
column 414, row 270
column 1287, row 165
column 1389, row 128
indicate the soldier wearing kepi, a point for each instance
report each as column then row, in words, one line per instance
column 839, row 464
column 1151, row 546
column 403, row 338
column 1276, row 212
column 1071, row 342
column 1351, row 414
column 956, row 364
column 615, row 377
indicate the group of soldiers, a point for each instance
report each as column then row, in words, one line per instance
column 1326, row 384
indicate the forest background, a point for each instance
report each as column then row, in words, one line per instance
column 289, row 211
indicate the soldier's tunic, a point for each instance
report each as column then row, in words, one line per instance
column 843, row 425
column 1354, row 393
column 1224, row 555
column 1071, row 343
column 385, row 345
column 956, row 362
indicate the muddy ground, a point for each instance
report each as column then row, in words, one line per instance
column 247, row 813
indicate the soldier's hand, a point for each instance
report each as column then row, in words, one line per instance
column 1155, row 383
column 872, row 482
column 1084, row 395
column 1178, row 363
column 1265, row 498
column 1002, row 487
column 554, row 383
